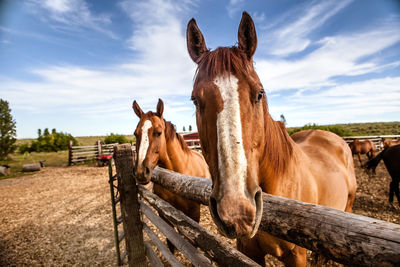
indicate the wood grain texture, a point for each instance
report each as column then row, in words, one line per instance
column 132, row 225
column 187, row 249
column 161, row 247
column 217, row 249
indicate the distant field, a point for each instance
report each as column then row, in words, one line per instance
column 373, row 128
column 58, row 159
column 91, row 140
column 370, row 128
column 82, row 140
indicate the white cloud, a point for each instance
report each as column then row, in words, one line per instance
column 70, row 15
column 368, row 100
column 340, row 55
column 290, row 33
column 159, row 68
column 234, row 7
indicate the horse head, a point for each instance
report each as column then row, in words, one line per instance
column 230, row 104
column 150, row 141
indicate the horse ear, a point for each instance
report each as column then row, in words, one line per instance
column 137, row 109
column 247, row 36
column 195, row 41
column 160, row 108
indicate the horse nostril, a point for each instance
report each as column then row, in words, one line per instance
column 147, row 171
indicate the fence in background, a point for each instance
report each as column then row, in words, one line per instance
column 79, row 154
column 376, row 139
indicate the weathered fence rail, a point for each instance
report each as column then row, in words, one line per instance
column 79, row 154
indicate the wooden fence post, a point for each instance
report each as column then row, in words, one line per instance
column 99, row 152
column 70, row 153
column 132, row 223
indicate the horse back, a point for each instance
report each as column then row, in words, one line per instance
column 330, row 165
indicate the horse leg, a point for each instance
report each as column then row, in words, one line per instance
column 391, row 193
column 296, row 257
column 251, row 249
column 350, row 201
column 396, row 190
column 359, row 158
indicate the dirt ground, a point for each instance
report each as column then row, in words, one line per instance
column 62, row 216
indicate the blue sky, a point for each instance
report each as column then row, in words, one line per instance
column 78, row 65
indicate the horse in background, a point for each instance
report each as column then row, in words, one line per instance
column 366, row 147
column 387, row 142
column 249, row 153
column 391, row 158
column 157, row 143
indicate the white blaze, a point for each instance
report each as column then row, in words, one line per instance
column 144, row 142
column 232, row 163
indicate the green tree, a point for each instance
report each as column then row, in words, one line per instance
column 190, row 128
column 47, row 142
column 7, row 130
column 184, row 129
column 115, row 138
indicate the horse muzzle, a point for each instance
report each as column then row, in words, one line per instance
column 143, row 175
column 237, row 216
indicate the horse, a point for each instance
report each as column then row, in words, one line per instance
column 391, row 158
column 362, row 147
column 249, row 153
column 157, row 143
column 387, row 142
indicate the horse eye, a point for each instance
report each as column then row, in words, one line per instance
column 260, row 95
column 195, row 102
column 157, row 134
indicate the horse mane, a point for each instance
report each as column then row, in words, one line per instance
column 170, row 134
column 222, row 61
column 278, row 149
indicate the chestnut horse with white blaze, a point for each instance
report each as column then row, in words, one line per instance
column 157, row 143
column 249, row 153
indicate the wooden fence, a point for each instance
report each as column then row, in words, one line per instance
column 376, row 139
column 79, row 154
column 344, row 237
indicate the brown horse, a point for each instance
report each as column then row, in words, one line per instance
column 157, row 143
column 391, row 158
column 387, row 142
column 249, row 153
column 366, row 147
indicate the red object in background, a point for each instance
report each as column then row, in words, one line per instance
column 191, row 136
column 103, row 159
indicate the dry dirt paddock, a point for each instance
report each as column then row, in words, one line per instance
column 62, row 216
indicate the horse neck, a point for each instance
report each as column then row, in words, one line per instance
column 372, row 163
column 278, row 155
column 175, row 156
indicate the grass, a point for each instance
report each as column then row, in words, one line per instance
column 15, row 161
column 51, row 159
column 370, row 128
